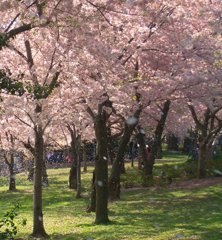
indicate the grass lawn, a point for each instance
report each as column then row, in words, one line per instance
column 142, row 213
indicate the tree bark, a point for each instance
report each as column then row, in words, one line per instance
column 84, row 157
column 101, row 169
column 156, row 144
column 78, row 173
column 31, row 170
column 12, row 185
column 73, row 170
column 208, row 130
column 92, row 205
column 110, row 146
column 172, row 142
column 45, row 179
column 202, row 160
column 10, row 163
column 38, row 227
column 73, row 176
column 114, row 180
column 147, row 164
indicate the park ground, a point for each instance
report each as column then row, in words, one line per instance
column 188, row 209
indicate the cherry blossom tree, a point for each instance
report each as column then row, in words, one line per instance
column 32, row 109
column 119, row 58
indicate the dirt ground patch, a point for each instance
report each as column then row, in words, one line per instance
column 197, row 183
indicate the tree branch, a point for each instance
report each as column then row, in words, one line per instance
column 194, row 115
column 31, row 62
column 23, row 121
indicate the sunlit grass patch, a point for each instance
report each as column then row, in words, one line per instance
column 156, row 213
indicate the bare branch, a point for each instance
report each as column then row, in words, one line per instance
column 52, row 84
column 101, row 12
column 11, row 23
column 17, row 51
column 21, row 120
column 31, row 62
column 61, row 147
column 30, row 117
column 52, row 60
column 90, row 112
column 194, row 115
column 47, row 124
column 64, row 135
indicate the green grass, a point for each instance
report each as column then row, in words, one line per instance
column 150, row 213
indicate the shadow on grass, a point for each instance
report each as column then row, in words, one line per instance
column 140, row 214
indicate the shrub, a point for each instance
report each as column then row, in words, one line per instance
column 8, row 224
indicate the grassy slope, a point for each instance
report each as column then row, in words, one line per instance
column 153, row 213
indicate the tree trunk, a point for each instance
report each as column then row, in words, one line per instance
column 45, row 179
column 84, row 157
column 202, row 160
column 101, row 170
column 9, row 160
column 73, row 176
column 10, row 163
column 31, row 170
column 132, row 162
column 114, row 180
column 12, row 185
column 78, row 172
column 172, row 142
column 38, row 227
column 156, row 144
column 92, row 205
column 132, row 151
column 147, row 164
column 160, row 152
column 110, row 146
column 73, row 170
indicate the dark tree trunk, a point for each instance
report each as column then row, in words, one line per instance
column 84, row 157
column 160, row 152
column 38, row 227
column 122, row 166
column 110, row 151
column 12, row 185
column 74, row 151
column 132, row 162
column 101, row 169
column 208, row 127
column 172, row 142
column 157, row 141
column 78, row 192
column 101, row 160
column 147, row 164
column 31, row 170
column 140, row 163
column 10, row 163
column 73, row 169
column 114, row 180
column 9, row 160
column 73, row 176
column 45, row 179
column 203, row 158
column 92, row 205
column 201, row 169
